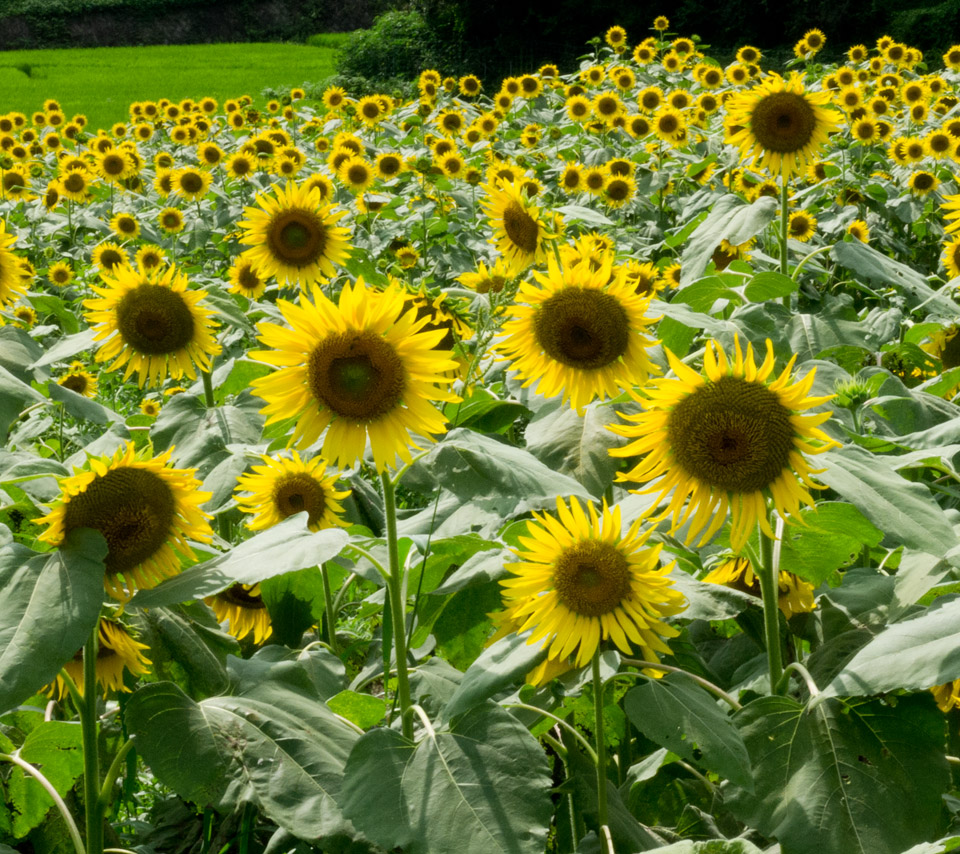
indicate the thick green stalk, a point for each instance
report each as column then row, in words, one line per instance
column 397, row 604
column 768, row 574
column 91, row 752
column 784, row 227
column 331, row 613
column 601, row 744
column 208, row 390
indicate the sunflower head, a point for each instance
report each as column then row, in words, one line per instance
column 152, row 323
column 579, row 581
column 294, row 236
column 362, row 369
column 579, row 332
column 729, row 439
column 145, row 510
column 117, row 651
column 521, row 230
column 795, row 594
column 241, row 607
column 284, row 487
column 779, row 124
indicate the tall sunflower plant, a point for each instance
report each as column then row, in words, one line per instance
column 528, row 465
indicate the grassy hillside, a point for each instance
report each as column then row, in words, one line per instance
column 102, row 82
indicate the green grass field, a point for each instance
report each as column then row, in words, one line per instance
column 102, row 82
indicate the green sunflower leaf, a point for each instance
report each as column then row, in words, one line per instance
column 858, row 778
column 482, row 787
column 679, row 715
column 49, row 606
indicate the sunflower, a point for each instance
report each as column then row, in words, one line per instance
column 571, row 179
column 283, row 487
column 727, row 439
column 922, row 183
column 619, row 190
column 74, row 184
column 362, row 368
column 520, row 229
column 795, row 594
column 152, row 323
column 241, row 165
column 669, row 125
column 116, row 651
column 859, row 230
column 113, row 165
column 145, row 510
column 12, row 284
column 484, row 279
column 802, row 226
column 125, row 225
column 579, row 334
column 191, row 183
column 79, row 380
column 241, row 607
column 60, row 273
column 951, row 257
column 294, row 236
column 246, row 279
column 149, row 257
column 579, row 581
column 407, row 257
column 779, row 125
column 389, row 164
column 109, row 257
column 150, row 408
column 170, row 220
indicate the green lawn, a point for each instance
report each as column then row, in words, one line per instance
column 102, row 82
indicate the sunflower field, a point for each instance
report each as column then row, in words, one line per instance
column 566, row 464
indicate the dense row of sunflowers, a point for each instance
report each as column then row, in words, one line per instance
column 372, row 267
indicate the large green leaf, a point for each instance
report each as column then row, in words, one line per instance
column 914, row 654
column 679, row 715
column 482, row 787
column 905, row 511
column 497, row 667
column 712, row 846
column 730, row 219
column 285, row 547
column 15, row 394
column 874, row 266
column 576, row 445
column 49, row 606
column 56, row 747
column 862, row 778
column 280, row 750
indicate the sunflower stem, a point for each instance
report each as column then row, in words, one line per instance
column 601, row 743
column 208, row 389
column 397, row 609
column 784, row 231
column 106, row 790
column 91, row 753
column 769, row 588
column 329, row 610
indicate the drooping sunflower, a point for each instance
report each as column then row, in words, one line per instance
column 241, row 607
column 795, row 595
column 116, row 651
column 153, row 323
column 360, row 369
column 725, row 440
column 580, row 333
column 485, row 280
column 580, row 581
column 521, row 230
column 780, row 125
column 145, row 510
column 294, row 236
column 283, row 487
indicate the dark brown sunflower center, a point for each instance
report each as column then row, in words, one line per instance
column 133, row 508
column 294, row 493
column 74, row 182
column 592, row 578
column 154, row 320
column 522, row 229
column 357, row 375
column 75, row 382
column 668, row 123
column 783, row 122
column 582, row 328
column 734, row 435
column 110, row 258
column 127, row 225
column 239, row 596
column 923, row 181
column 389, row 165
column 14, row 181
column 371, row 110
column 191, row 182
column 296, row 237
column 248, row 278
column 799, row 226
column 618, row 191
column 240, row 166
